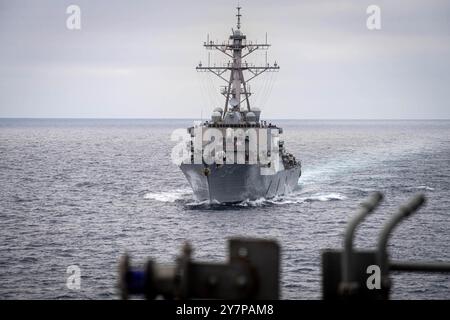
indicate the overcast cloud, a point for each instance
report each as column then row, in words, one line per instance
column 136, row 59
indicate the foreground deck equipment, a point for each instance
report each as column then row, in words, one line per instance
column 364, row 274
column 253, row 268
column 252, row 272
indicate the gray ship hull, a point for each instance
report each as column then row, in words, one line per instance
column 230, row 183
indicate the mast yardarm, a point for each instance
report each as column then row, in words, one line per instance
column 236, row 48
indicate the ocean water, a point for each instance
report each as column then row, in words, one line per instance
column 83, row 192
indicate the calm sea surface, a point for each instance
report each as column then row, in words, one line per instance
column 82, row 192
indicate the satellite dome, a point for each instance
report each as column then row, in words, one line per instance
column 218, row 109
column 216, row 116
column 250, row 117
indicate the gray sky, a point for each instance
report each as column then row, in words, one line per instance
column 136, row 59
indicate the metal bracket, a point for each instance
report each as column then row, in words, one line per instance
column 252, row 272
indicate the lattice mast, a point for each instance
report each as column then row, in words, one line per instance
column 237, row 48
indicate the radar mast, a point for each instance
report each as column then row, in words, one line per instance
column 236, row 91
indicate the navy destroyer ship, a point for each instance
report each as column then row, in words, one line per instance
column 249, row 160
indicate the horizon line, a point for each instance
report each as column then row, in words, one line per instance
column 280, row 119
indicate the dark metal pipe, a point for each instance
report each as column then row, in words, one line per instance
column 366, row 208
column 403, row 212
column 419, row 266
